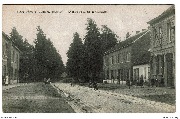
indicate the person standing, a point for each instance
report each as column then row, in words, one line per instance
column 141, row 81
column 6, row 80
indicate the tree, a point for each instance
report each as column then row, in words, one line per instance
column 17, row 39
column 26, row 64
column 108, row 38
column 85, row 61
column 48, row 61
column 93, row 52
column 75, row 57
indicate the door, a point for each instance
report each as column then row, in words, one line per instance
column 170, row 78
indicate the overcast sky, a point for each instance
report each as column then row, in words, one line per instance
column 59, row 27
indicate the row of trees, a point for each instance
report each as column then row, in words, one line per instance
column 39, row 61
column 85, row 59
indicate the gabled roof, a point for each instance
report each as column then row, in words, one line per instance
column 170, row 10
column 141, row 54
column 128, row 42
column 5, row 35
column 9, row 39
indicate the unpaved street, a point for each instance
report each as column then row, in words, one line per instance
column 34, row 98
column 84, row 99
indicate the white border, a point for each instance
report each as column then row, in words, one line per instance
column 100, row 115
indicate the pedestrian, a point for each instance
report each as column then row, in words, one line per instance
column 6, row 80
column 141, row 81
column 153, row 80
column 137, row 82
column 72, row 83
column 45, row 80
column 95, row 86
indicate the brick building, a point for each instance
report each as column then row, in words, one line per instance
column 163, row 47
column 119, row 61
column 10, row 59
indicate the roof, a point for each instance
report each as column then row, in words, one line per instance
column 170, row 10
column 128, row 42
column 141, row 54
column 142, row 58
column 5, row 35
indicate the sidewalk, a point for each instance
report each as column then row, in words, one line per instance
column 12, row 86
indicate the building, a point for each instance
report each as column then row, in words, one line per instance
column 141, row 70
column 163, row 47
column 10, row 59
column 119, row 61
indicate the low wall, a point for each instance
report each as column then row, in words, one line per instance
column 115, row 81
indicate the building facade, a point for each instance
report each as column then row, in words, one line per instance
column 10, row 59
column 163, row 47
column 119, row 61
column 141, row 70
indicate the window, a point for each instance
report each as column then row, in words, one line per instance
column 134, row 74
column 121, row 58
column 112, row 75
column 137, row 73
column 148, row 72
column 17, row 59
column 6, row 49
column 4, row 73
column 160, row 35
column 169, row 31
column 13, row 58
column 121, row 75
column 107, row 74
column 155, row 36
column 115, row 59
column 104, row 61
column 15, row 74
column 118, row 58
column 144, row 72
column 128, row 57
column 112, row 59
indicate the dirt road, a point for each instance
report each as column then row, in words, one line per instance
column 84, row 99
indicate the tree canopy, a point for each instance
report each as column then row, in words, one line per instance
column 48, row 61
column 39, row 61
column 75, row 57
column 85, row 61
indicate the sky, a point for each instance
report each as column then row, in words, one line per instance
column 60, row 24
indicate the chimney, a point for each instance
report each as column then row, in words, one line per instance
column 143, row 29
column 137, row 32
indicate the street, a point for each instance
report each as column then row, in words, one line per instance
column 84, row 99
column 64, row 98
column 34, row 98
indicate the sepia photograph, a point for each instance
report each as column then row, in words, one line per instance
column 88, row 58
